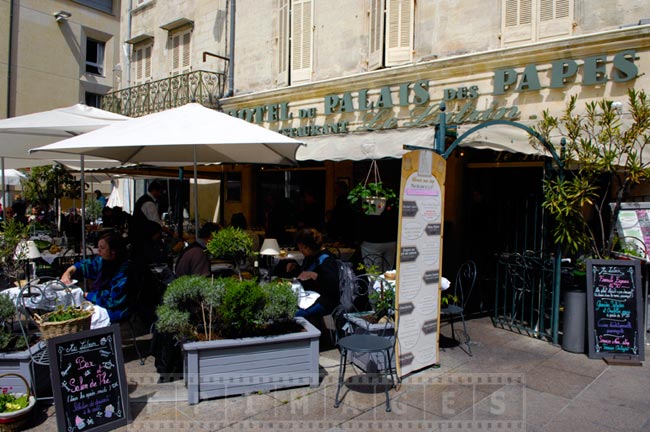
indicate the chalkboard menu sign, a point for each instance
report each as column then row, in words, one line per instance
column 614, row 311
column 88, row 380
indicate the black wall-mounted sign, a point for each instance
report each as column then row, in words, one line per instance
column 614, row 310
column 88, row 380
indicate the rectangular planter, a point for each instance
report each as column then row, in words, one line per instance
column 248, row 365
column 371, row 362
column 20, row 362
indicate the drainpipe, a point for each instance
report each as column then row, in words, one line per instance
column 10, row 64
column 231, row 69
column 10, row 111
column 125, row 47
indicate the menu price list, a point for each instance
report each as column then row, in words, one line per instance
column 613, row 308
column 88, row 372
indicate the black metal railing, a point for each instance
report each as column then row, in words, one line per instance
column 525, row 294
column 200, row 86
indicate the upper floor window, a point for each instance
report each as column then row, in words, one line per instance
column 391, row 32
column 526, row 21
column 181, row 50
column 94, row 99
column 102, row 5
column 142, row 62
column 95, row 56
column 295, row 41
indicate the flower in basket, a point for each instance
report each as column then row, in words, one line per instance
column 10, row 402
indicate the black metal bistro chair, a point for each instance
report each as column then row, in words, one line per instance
column 462, row 289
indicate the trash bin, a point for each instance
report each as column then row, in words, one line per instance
column 575, row 321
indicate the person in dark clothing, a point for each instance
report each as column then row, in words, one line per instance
column 319, row 273
column 20, row 208
column 194, row 260
column 147, row 228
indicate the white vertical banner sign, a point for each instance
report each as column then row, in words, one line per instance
column 419, row 259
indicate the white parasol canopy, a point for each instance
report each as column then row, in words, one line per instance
column 164, row 137
column 189, row 134
column 13, row 177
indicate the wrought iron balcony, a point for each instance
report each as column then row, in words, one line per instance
column 199, row 86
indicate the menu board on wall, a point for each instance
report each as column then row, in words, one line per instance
column 419, row 259
column 614, row 312
column 633, row 225
column 88, row 380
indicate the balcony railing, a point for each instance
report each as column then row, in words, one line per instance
column 200, row 86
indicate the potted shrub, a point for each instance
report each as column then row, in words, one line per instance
column 231, row 244
column 606, row 161
column 239, row 336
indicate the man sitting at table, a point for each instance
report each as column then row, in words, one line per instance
column 108, row 271
column 319, row 273
column 194, row 259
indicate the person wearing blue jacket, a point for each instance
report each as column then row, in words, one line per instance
column 109, row 272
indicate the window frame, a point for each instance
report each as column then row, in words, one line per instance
column 100, row 55
column 141, row 64
column 295, row 41
column 185, row 53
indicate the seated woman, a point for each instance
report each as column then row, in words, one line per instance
column 108, row 270
column 319, row 273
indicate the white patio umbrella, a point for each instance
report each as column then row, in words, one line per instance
column 186, row 135
column 13, row 177
column 19, row 134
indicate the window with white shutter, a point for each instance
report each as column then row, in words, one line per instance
column 181, row 51
column 376, row 42
column 399, row 31
column 526, row 21
column 142, row 63
column 295, row 41
column 555, row 19
column 391, row 27
column 283, row 42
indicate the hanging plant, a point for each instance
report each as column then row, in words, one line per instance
column 373, row 197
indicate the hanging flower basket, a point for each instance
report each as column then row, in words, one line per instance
column 376, row 205
column 373, row 197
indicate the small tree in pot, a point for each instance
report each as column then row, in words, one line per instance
column 606, row 161
column 231, row 244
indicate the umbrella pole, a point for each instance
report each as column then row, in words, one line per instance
column 196, row 198
column 83, row 208
column 179, row 203
column 4, row 184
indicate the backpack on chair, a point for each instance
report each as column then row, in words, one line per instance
column 353, row 296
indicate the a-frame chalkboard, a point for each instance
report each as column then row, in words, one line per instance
column 614, row 310
column 88, row 380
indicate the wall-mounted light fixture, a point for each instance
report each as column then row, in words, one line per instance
column 62, row 16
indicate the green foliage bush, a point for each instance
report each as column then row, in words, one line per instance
column 231, row 243
column 195, row 307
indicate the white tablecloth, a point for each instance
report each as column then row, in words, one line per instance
column 49, row 296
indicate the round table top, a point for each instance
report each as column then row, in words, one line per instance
column 365, row 343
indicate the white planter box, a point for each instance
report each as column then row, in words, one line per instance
column 248, row 365
column 20, row 362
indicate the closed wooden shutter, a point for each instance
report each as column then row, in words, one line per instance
column 142, row 63
column 376, row 42
column 555, row 19
column 181, row 50
column 283, row 42
column 399, row 31
column 517, row 22
column 302, row 36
